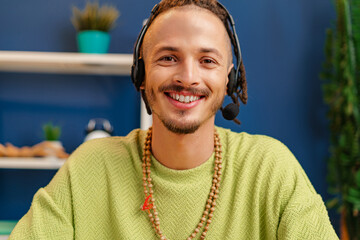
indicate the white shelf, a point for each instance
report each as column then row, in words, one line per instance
column 31, row 163
column 69, row 63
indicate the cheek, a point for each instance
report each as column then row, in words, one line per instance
column 150, row 94
column 156, row 76
column 217, row 82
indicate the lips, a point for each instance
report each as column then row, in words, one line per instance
column 183, row 98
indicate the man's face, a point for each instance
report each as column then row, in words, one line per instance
column 187, row 60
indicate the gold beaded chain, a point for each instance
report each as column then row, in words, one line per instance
column 150, row 206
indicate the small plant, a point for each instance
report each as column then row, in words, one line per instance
column 94, row 17
column 51, row 132
column 341, row 92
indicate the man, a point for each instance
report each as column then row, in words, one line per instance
column 184, row 178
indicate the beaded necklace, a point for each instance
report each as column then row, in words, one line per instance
column 149, row 205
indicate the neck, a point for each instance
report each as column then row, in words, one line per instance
column 182, row 151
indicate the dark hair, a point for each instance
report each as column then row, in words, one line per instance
column 212, row 6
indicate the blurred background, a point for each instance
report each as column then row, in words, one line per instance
column 282, row 44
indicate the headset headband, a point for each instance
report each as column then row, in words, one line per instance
column 234, row 79
column 233, row 37
column 235, row 41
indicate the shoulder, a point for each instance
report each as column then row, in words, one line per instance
column 265, row 167
column 100, row 150
column 106, row 144
column 264, row 159
column 257, row 146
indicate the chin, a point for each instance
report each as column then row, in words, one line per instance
column 181, row 128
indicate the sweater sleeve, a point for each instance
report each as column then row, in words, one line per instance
column 50, row 214
column 302, row 212
column 304, row 215
column 306, row 218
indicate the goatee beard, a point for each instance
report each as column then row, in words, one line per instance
column 172, row 126
column 187, row 128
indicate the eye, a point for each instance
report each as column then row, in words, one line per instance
column 209, row 62
column 167, row 59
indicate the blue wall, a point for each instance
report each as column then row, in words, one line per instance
column 282, row 45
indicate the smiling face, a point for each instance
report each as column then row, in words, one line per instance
column 187, row 56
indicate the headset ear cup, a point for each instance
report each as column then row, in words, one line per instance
column 231, row 86
column 133, row 74
column 140, row 74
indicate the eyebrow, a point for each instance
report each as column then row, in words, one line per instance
column 211, row 50
column 167, row 48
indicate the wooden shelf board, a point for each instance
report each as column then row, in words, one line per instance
column 31, row 163
column 69, row 63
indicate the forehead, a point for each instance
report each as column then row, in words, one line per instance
column 189, row 25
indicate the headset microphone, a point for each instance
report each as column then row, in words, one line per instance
column 230, row 111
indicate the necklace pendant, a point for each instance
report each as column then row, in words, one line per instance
column 146, row 205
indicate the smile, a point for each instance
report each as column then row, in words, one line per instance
column 183, row 98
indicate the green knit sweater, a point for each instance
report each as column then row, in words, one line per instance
column 98, row 194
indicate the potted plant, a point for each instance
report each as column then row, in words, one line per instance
column 342, row 94
column 93, row 25
column 51, row 132
column 52, row 144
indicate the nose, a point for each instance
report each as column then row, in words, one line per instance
column 188, row 74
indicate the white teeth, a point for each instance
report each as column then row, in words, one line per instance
column 184, row 99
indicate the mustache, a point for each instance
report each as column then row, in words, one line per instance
column 177, row 88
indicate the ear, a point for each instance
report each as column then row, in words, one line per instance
column 231, row 81
column 228, row 73
column 142, row 86
column 229, row 68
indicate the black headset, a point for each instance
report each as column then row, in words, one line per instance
column 138, row 68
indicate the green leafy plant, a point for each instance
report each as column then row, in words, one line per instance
column 341, row 72
column 51, row 132
column 94, row 17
